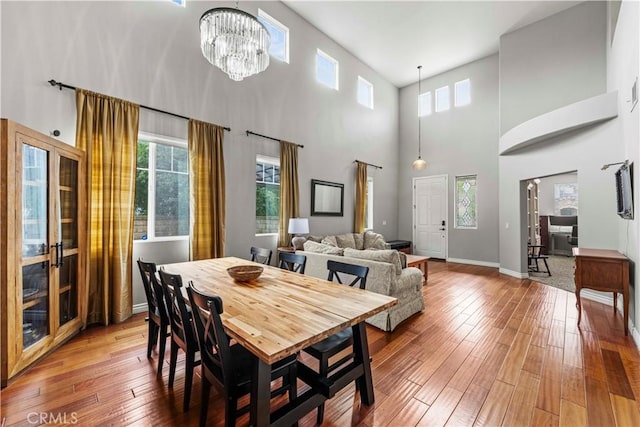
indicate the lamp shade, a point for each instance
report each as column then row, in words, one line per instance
column 298, row 225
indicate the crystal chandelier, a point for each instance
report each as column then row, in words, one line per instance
column 419, row 163
column 234, row 41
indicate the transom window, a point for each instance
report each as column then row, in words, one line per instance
column 161, row 207
column 267, row 194
column 279, row 47
column 442, row 99
column 462, row 93
column 326, row 70
column 365, row 93
column 424, row 104
column 466, row 215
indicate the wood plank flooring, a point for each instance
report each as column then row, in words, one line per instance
column 488, row 350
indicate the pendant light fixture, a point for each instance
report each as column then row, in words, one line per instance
column 419, row 164
column 234, row 41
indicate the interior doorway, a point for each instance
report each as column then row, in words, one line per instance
column 552, row 226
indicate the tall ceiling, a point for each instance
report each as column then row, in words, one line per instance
column 394, row 37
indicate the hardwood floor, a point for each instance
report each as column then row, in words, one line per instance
column 488, row 350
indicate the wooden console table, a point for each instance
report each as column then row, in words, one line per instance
column 421, row 263
column 603, row 270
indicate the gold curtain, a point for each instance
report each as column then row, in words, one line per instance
column 107, row 130
column 206, row 183
column 361, row 198
column 289, row 189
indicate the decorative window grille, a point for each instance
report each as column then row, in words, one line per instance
column 466, row 215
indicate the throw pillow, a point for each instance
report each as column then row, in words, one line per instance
column 330, row 240
column 390, row 256
column 315, row 238
column 346, row 240
column 359, row 239
column 319, row 248
column 374, row 241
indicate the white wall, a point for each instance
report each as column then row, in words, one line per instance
column 552, row 63
column 583, row 150
column 149, row 53
column 623, row 58
column 460, row 141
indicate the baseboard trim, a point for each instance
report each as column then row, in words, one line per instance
column 473, row 262
column 139, row 308
column 512, row 273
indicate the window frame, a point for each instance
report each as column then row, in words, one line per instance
column 455, row 93
column 320, row 52
column 428, row 96
column 280, row 26
column 369, row 86
column 456, row 198
column 153, row 140
column 261, row 158
column 439, row 109
column 369, row 218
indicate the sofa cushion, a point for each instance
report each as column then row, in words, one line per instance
column 387, row 255
column 346, row 240
column 374, row 241
column 330, row 240
column 320, row 248
column 359, row 239
column 298, row 244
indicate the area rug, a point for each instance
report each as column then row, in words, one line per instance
column 561, row 268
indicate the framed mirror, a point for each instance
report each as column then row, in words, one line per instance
column 327, row 198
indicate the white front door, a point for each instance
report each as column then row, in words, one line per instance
column 430, row 216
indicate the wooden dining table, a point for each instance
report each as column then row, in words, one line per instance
column 281, row 313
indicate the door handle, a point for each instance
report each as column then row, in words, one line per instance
column 61, row 255
column 57, row 247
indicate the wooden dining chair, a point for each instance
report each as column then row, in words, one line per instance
column 158, row 317
column 261, row 255
column 292, row 262
column 183, row 334
column 336, row 343
column 227, row 366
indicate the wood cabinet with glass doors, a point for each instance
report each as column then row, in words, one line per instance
column 42, row 247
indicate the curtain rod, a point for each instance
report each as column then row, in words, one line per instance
column 268, row 137
column 368, row 164
column 66, row 86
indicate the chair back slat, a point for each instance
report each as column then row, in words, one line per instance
column 360, row 272
column 153, row 290
column 261, row 255
column 181, row 325
column 292, row 262
column 214, row 343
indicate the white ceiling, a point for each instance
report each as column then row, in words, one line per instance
column 394, row 37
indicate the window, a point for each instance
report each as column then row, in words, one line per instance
column 368, row 215
column 442, row 99
column 466, row 202
column 424, row 104
column 365, row 93
column 326, row 70
column 565, row 199
column 463, row 93
column 267, row 194
column 279, row 47
column 161, row 207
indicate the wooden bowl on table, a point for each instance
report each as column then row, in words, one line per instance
column 245, row 273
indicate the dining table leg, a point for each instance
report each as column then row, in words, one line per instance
column 260, row 394
column 361, row 352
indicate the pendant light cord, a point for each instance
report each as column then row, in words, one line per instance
column 419, row 121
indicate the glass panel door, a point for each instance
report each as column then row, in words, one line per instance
column 35, row 201
column 68, row 236
column 35, row 244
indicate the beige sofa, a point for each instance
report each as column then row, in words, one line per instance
column 386, row 276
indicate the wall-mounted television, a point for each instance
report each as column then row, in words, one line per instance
column 624, row 191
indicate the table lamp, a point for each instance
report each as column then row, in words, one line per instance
column 298, row 226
